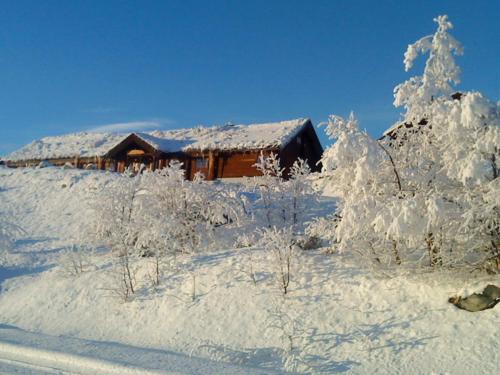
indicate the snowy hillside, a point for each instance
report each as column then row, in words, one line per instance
column 223, row 304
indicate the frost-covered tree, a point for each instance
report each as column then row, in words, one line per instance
column 441, row 70
column 458, row 147
column 362, row 174
column 427, row 192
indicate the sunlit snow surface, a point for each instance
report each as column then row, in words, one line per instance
column 346, row 318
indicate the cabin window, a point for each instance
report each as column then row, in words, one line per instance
column 201, row 163
column 135, row 152
column 299, row 140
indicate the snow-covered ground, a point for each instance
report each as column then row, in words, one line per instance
column 337, row 317
column 24, row 352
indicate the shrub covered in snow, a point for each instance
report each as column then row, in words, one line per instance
column 282, row 200
column 283, row 245
column 159, row 214
column 427, row 193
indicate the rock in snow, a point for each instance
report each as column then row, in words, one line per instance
column 478, row 301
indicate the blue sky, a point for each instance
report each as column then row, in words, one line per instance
column 69, row 66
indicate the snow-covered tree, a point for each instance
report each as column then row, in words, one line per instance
column 440, row 71
column 458, row 145
column 427, row 192
column 364, row 177
column 118, row 226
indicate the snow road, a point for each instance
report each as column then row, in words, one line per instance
column 23, row 352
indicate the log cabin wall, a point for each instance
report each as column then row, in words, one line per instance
column 225, row 164
column 239, row 163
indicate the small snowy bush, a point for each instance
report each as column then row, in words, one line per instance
column 282, row 200
column 76, row 259
column 319, row 232
column 283, row 247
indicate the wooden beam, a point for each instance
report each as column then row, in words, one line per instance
column 211, row 166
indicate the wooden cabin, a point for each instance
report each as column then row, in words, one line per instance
column 228, row 151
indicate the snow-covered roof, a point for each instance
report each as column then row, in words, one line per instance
column 225, row 137
column 66, row 146
column 392, row 128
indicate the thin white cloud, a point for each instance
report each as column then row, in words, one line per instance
column 122, row 127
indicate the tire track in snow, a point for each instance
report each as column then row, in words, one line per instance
column 11, row 367
column 23, row 352
column 65, row 363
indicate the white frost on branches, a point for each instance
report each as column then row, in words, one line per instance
column 440, row 69
column 282, row 200
column 352, row 158
column 158, row 215
column 427, row 193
